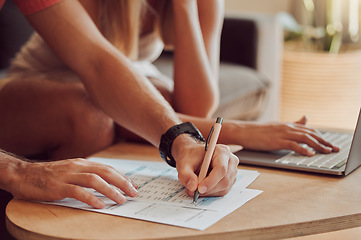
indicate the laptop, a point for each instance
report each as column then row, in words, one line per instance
column 340, row 163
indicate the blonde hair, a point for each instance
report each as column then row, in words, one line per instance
column 165, row 23
column 120, row 22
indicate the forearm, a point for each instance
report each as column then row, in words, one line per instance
column 128, row 97
column 9, row 170
column 195, row 78
column 233, row 132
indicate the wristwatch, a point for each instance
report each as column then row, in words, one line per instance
column 167, row 139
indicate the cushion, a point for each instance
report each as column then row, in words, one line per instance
column 243, row 91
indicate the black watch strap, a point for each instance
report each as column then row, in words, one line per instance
column 167, row 139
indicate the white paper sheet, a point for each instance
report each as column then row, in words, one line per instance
column 163, row 199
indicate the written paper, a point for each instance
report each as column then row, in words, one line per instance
column 163, row 199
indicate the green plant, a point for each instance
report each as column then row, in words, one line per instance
column 323, row 25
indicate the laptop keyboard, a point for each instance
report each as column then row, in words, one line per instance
column 327, row 161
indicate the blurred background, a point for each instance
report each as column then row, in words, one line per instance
column 321, row 59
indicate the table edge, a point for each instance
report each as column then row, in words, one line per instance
column 263, row 233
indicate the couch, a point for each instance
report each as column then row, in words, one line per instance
column 250, row 67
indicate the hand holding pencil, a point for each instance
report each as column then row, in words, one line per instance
column 221, row 164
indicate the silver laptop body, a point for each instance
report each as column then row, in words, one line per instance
column 341, row 163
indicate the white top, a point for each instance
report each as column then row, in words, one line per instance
column 36, row 59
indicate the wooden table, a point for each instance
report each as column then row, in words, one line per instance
column 293, row 204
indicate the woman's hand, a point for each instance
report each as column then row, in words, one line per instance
column 50, row 181
column 276, row 136
column 220, row 179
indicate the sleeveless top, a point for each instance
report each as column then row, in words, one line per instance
column 36, row 59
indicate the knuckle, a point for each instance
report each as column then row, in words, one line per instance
column 91, row 178
column 74, row 163
column 235, row 160
column 74, row 191
column 292, row 145
column 79, row 160
column 107, row 170
column 224, row 148
column 222, row 169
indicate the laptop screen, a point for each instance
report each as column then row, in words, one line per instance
column 354, row 158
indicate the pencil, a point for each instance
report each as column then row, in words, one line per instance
column 209, row 150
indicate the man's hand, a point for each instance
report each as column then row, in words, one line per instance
column 49, row 181
column 189, row 160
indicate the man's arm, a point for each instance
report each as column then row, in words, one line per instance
column 107, row 74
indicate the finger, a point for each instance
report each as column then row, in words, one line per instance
column 326, row 143
column 317, row 134
column 79, row 193
column 311, row 141
column 321, row 145
column 188, row 178
column 302, row 121
column 91, row 180
column 225, row 185
column 224, row 165
column 115, row 178
column 222, row 189
column 110, row 175
column 294, row 146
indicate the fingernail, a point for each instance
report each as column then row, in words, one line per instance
column 311, row 152
column 132, row 188
column 121, row 198
column 328, row 149
column 134, row 184
column 99, row 204
column 202, row 189
column 190, row 185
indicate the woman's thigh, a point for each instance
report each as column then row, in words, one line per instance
column 51, row 119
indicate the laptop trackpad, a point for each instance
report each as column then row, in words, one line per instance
column 247, row 156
